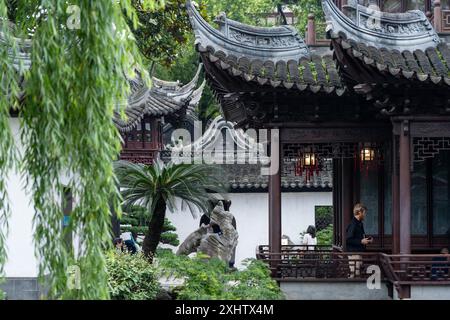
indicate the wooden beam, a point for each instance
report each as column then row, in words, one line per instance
column 337, row 134
column 430, row 129
column 405, row 189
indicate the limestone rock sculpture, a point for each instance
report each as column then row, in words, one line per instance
column 212, row 244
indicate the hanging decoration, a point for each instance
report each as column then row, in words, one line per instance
column 368, row 157
column 307, row 163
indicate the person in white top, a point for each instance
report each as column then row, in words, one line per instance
column 309, row 239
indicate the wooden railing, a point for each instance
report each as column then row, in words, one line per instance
column 416, row 268
column 317, row 262
column 297, row 262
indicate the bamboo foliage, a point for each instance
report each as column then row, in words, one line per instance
column 78, row 77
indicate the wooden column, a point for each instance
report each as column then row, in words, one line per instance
column 275, row 195
column 311, row 35
column 347, row 173
column 395, row 195
column 337, row 213
column 405, row 188
column 437, row 16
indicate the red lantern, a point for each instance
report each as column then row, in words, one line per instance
column 307, row 163
column 367, row 158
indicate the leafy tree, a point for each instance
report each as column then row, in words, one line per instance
column 157, row 187
column 250, row 11
column 302, row 8
column 136, row 220
column 162, row 32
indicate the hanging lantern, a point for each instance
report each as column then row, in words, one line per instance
column 367, row 155
column 309, row 160
column 367, row 158
column 308, row 164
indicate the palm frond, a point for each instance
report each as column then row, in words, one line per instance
column 145, row 185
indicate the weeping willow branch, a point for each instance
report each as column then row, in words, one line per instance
column 77, row 78
column 9, row 91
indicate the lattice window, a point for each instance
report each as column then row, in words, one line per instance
column 446, row 20
column 427, row 147
column 323, row 150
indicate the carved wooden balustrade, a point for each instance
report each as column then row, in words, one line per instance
column 323, row 262
column 417, row 268
column 295, row 262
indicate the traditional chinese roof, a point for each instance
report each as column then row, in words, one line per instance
column 390, row 45
column 243, row 158
column 163, row 98
column 275, row 56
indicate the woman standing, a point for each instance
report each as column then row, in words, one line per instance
column 309, row 239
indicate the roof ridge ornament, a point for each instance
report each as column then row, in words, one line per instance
column 406, row 31
column 236, row 39
column 244, row 142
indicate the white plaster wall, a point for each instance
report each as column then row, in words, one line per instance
column 21, row 260
column 251, row 212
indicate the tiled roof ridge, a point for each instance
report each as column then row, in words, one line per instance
column 411, row 49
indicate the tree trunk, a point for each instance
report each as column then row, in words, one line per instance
column 154, row 231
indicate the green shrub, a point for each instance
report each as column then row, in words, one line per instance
column 211, row 279
column 325, row 236
column 324, row 216
column 136, row 222
column 130, row 277
column 255, row 283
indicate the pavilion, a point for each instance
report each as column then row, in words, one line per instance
column 377, row 105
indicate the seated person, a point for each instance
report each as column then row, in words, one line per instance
column 118, row 244
column 127, row 237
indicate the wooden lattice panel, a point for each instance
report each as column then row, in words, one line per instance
column 427, row 147
column 446, row 20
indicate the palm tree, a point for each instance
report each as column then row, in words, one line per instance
column 156, row 187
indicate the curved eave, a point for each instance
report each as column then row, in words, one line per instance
column 394, row 31
column 195, row 98
column 419, row 56
column 160, row 102
column 174, row 88
column 239, row 40
column 288, row 64
column 314, row 73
